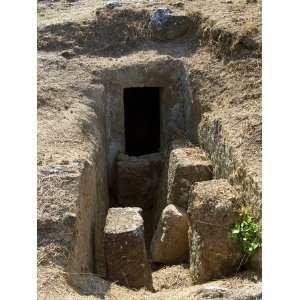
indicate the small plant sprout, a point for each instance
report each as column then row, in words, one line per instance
column 247, row 232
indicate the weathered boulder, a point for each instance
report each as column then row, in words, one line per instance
column 113, row 4
column 68, row 54
column 170, row 241
column 217, row 290
column 138, row 179
column 125, row 250
column 213, row 209
column 186, row 166
column 168, row 25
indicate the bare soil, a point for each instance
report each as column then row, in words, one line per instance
column 170, row 283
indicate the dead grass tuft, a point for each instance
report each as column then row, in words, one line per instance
column 172, row 277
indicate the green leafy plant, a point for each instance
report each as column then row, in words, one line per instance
column 247, row 232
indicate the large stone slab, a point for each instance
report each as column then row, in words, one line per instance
column 170, row 241
column 138, row 179
column 186, row 166
column 125, row 251
column 213, row 209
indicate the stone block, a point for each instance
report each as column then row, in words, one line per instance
column 186, row 166
column 213, row 209
column 170, row 241
column 138, row 179
column 125, row 251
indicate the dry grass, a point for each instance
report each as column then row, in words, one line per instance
column 250, row 27
column 53, row 284
column 172, row 277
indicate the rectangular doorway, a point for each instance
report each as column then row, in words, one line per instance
column 142, row 120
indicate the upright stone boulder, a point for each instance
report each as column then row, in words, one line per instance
column 213, row 209
column 187, row 165
column 125, row 251
column 170, row 241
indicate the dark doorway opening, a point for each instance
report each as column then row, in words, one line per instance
column 142, row 120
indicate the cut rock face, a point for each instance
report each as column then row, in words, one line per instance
column 212, row 211
column 125, row 249
column 170, row 241
column 186, row 166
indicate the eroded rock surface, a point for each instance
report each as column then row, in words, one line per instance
column 186, row 166
column 215, row 291
column 113, row 4
column 213, row 209
column 125, row 250
column 170, row 241
column 168, row 25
